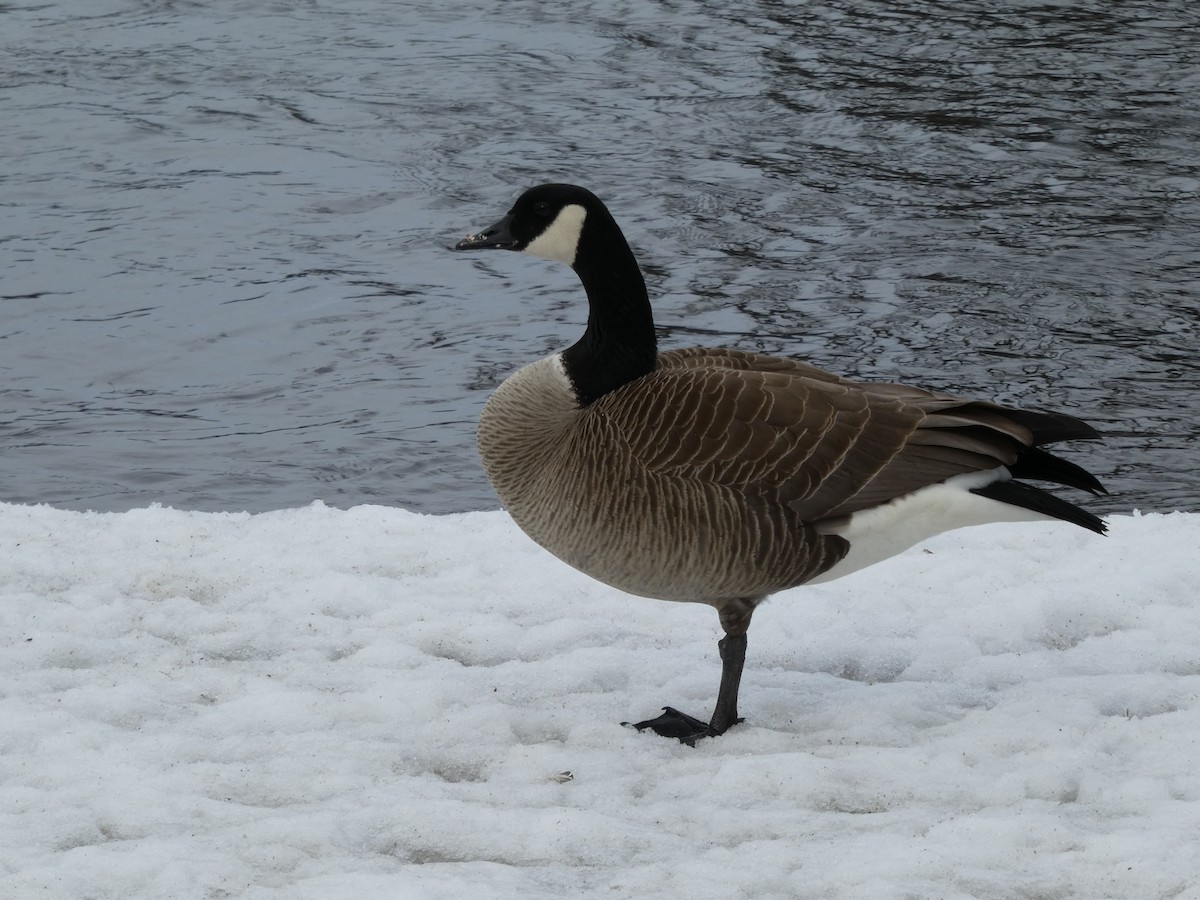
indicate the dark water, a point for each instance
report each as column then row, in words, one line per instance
column 223, row 275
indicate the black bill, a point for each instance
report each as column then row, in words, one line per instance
column 498, row 237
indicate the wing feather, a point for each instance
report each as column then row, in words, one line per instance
column 824, row 446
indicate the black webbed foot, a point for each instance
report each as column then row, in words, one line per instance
column 679, row 725
column 688, row 729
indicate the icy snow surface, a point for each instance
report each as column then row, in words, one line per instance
column 316, row 703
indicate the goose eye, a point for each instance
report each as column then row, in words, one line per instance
column 542, row 208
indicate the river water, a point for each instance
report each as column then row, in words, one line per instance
column 224, row 281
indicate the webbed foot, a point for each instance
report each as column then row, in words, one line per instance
column 679, row 725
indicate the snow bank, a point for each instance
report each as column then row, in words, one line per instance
column 316, row 703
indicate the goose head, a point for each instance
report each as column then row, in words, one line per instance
column 546, row 221
column 569, row 224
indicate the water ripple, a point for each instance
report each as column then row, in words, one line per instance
column 225, row 282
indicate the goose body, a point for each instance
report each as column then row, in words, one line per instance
column 718, row 476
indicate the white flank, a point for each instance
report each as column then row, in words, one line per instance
column 560, row 240
column 882, row 532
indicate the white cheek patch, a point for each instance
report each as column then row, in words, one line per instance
column 560, row 240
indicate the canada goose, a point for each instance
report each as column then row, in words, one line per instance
column 719, row 476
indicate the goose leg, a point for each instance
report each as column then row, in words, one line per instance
column 688, row 729
column 733, row 658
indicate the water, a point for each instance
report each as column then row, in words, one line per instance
column 223, row 275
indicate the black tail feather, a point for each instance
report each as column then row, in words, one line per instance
column 1039, row 465
column 1050, row 427
column 1026, row 496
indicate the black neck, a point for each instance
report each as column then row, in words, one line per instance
column 619, row 344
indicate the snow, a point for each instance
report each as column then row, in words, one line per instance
column 322, row 703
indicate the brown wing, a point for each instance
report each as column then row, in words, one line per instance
column 822, row 445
